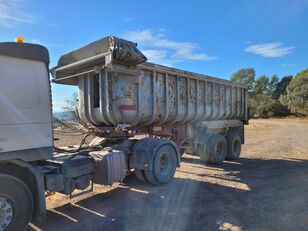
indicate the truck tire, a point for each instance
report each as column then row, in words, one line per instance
column 234, row 144
column 215, row 149
column 140, row 175
column 16, row 204
column 163, row 166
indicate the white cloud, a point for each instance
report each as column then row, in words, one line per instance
column 288, row 65
column 128, row 19
column 154, row 54
column 177, row 51
column 13, row 12
column 271, row 50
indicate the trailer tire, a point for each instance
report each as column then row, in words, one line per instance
column 163, row 166
column 216, row 149
column 18, row 197
column 233, row 146
column 140, row 175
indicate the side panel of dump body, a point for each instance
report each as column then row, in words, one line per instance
column 155, row 95
column 117, row 86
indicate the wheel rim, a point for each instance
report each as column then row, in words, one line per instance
column 6, row 212
column 163, row 163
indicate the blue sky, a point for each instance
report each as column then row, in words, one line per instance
column 210, row 37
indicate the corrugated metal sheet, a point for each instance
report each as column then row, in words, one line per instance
column 112, row 91
column 154, row 96
column 122, row 51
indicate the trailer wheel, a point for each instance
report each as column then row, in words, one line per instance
column 140, row 175
column 233, row 146
column 16, row 204
column 216, row 149
column 164, row 165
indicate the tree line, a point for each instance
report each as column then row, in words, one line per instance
column 274, row 97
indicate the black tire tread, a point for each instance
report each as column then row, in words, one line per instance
column 141, row 175
column 231, row 137
column 212, row 142
column 157, row 147
column 151, row 178
column 21, row 195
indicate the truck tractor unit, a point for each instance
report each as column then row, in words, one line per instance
column 146, row 115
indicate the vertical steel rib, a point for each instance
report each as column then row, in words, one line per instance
column 187, row 100
column 90, row 107
column 101, row 99
column 204, row 101
column 105, row 108
column 212, row 101
column 177, row 98
column 166, row 108
column 196, row 102
column 242, row 102
column 153, row 117
column 83, row 104
column 137, row 118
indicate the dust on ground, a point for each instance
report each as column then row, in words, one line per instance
column 267, row 189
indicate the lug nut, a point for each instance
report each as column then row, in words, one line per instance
column 9, row 218
column 3, row 205
column 3, row 226
column 8, row 210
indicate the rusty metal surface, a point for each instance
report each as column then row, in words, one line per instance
column 122, row 51
column 154, row 97
column 117, row 86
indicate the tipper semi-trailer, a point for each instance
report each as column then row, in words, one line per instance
column 122, row 97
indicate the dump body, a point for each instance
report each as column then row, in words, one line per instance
column 112, row 93
column 152, row 94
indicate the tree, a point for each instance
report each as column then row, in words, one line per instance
column 261, row 101
column 261, row 85
column 296, row 97
column 71, row 108
column 261, row 106
column 273, row 85
column 281, row 88
column 71, row 117
column 245, row 76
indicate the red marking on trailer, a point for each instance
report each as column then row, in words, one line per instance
column 131, row 107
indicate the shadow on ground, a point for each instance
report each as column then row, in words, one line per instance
column 249, row 194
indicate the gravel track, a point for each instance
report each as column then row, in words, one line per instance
column 267, row 189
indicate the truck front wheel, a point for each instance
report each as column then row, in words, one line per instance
column 16, row 204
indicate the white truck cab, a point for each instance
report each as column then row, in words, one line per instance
column 25, row 102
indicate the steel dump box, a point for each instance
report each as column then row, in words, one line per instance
column 117, row 86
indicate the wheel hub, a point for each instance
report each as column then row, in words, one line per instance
column 219, row 148
column 6, row 212
column 163, row 162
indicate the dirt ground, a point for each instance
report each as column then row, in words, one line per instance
column 267, row 189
